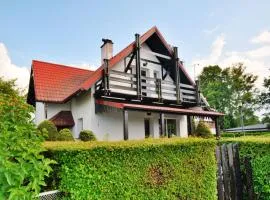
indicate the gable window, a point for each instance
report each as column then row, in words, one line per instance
column 156, row 74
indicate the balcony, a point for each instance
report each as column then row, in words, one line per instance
column 124, row 85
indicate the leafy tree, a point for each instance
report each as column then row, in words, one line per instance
column 264, row 101
column 22, row 166
column 229, row 90
column 8, row 87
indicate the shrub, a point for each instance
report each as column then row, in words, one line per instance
column 22, row 166
column 65, row 135
column 151, row 169
column 203, row 130
column 87, row 135
column 51, row 129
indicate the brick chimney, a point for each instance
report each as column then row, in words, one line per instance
column 106, row 50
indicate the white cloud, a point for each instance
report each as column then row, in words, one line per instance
column 263, row 37
column 8, row 70
column 211, row 31
column 257, row 61
column 83, row 65
column 216, row 52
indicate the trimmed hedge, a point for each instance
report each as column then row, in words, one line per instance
column 240, row 134
column 150, row 169
column 258, row 150
column 87, row 135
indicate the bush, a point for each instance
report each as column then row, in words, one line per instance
column 86, row 135
column 22, row 165
column 151, row 169
column 51, row 129
column 203, row 130
column 65, row 135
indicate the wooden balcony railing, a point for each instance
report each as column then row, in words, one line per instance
column 151, row 88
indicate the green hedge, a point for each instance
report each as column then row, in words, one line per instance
column 258, row 150
column 151, row 169
column 226, row 134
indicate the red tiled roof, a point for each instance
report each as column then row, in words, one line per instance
column 63, row 119
column 158, row 108
column 55, row 82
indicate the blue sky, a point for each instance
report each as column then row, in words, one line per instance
column 70, row 32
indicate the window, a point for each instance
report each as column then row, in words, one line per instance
column 80, row 125
column 143, row 75
column 147, row 127
column 156, row 74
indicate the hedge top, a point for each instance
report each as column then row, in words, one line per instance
column 78, row 145
column 249, row 139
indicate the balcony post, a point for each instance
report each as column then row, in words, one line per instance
column 177, row 74
column 125, row 124
column 106, row 76
column 161, row 124
column 198, row 93
column 138, row 66
column 217, row 128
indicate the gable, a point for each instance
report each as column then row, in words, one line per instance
column 154, row 39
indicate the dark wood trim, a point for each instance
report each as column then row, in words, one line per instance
column 217, row 128
column 125, row 124
column 129, row 62
column 198, row 93
column 177, row 74
column 106, row 76
column 138, row 67
column 161, row 124
column 189, row 124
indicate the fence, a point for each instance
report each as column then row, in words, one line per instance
column 50, row 195
column 233, row 184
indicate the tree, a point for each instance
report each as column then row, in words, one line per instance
column 22, row 165
column 264, row 101
column 8, row 87
column 230, row 90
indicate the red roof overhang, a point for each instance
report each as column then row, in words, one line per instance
column 63, row 119
column 164, row 109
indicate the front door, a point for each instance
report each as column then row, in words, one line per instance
column 171, row 127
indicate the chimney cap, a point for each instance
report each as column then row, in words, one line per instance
column 105, row 41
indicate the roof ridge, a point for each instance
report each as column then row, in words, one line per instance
column 61, row 65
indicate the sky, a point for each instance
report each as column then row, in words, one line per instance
column 70, row 32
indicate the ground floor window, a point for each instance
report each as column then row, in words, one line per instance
column 80, row 125
column 147, row 127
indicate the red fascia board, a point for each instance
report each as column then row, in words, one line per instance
column 110, row 103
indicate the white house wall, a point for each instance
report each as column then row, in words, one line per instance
column 49, row 110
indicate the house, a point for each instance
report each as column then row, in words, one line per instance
column 249, row 128
column 143, row 91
